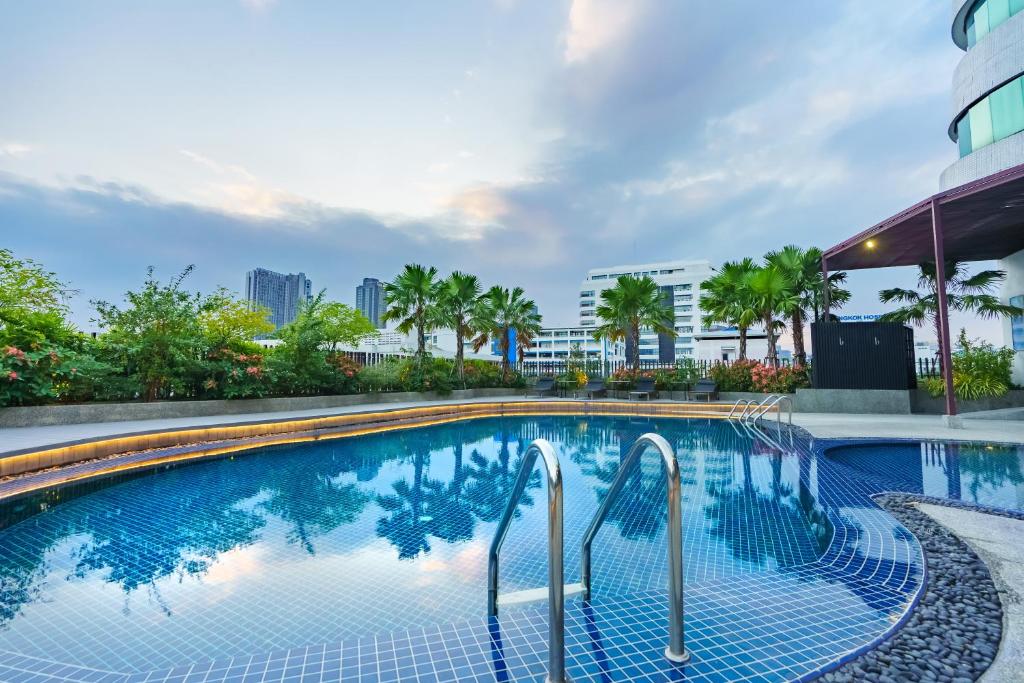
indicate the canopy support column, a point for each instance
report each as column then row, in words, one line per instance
column 943, row 306
column 824, row 292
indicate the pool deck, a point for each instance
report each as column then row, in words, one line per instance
column 821, row 425
column 997, row 542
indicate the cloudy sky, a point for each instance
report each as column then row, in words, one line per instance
column 525, row 141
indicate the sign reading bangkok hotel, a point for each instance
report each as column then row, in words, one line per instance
column 860, row 318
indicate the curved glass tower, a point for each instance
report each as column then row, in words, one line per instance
column 988, row 89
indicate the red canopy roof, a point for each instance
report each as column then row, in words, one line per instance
column 981, row 220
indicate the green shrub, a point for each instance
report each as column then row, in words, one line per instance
column 383, row 376
column 428, row 374
column 980, row 370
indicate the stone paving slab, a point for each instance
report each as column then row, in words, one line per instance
column 838, row 426
column 997, row 541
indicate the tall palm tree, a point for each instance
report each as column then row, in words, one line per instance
column 725, row 299
column 972, row 294
column 411, row 301
column 501, row 313
column 803, row 268
column 772, row 293
column 634, row 303
column 458, row 298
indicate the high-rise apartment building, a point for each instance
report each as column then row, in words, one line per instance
column 281, row 293
column 370, row 300
column 680, row 286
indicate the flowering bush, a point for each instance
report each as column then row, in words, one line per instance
column 750, row 375
column 783, row 380
column 734, row 377
column 233, row 374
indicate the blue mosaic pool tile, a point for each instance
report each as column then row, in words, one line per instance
column 805, row 570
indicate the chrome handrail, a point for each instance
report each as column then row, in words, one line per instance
column 741, row 401
column 775, row 400
column 556, row 579
column 675, row 650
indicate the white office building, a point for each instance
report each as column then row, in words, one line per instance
column 680, row 282
column 559, row 344
column 723, row 344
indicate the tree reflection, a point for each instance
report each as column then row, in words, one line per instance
column 991, row 467
column 406, row 526
column 755, row 526
column 490, row 482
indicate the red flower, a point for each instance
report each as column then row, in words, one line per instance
column 15, row 352
column 12, row 375
column 253, row 371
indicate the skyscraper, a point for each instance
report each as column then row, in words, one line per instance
column 281, row 293
column 370, row 300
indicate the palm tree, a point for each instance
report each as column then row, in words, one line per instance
column 803, row 268
column 411, row 300
column 971, row 294
column 457, row 302
column 725, row 299
column 501, row 313
column 632, row 304
column 772, row 292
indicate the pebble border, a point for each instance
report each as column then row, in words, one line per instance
column 954, row 632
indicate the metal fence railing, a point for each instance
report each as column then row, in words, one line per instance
column 929, row 367
column 604, row 369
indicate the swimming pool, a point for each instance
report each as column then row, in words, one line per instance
column 349, row 553
column 990, row 475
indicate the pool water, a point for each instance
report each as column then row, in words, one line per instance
column 326, row 541
column 983, row 474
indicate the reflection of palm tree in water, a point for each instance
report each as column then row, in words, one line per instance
column 430, row 507
column 754, row 526
column 989, row 466
column 314, row 504
column 450, row 511
column 407, row 527
column 491, row 482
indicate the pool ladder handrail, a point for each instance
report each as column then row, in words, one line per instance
column 745, row 402
column 675, row 651
column 556, row 585
column 765, row 406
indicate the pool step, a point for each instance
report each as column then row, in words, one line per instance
column 535, row 594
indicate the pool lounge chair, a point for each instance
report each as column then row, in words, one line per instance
column 705, row 387
column 594, row 388
column 644, row 388
column 544, row 386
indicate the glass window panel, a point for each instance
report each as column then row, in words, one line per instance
column 981, row 124
column 998, row 12
column 981, row 21
column 1016, row 6
column 972, row 38
column 1007, row 106
column 963, row 135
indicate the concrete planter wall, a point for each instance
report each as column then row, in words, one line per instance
column 922, row 402
column 39, row 416
column 859, row 401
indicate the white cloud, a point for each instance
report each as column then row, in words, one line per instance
column 259, row 5
column 786, row 137
column 595, row 25
column 15, row 150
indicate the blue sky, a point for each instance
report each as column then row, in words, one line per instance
column 523, row 141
